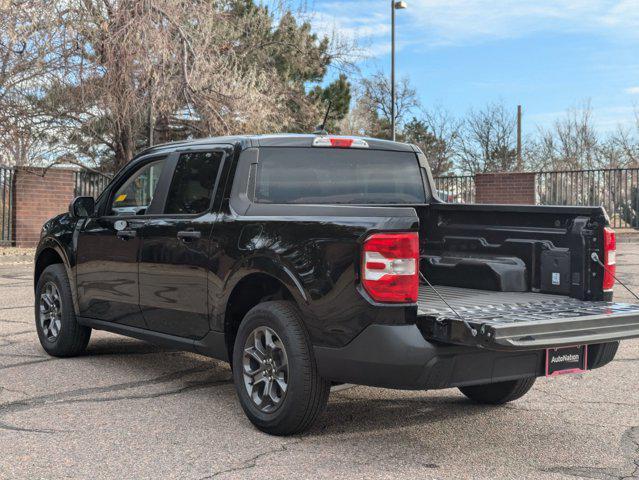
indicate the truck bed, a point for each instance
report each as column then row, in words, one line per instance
column 519, row 321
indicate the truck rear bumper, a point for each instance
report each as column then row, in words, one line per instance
column 398, row 356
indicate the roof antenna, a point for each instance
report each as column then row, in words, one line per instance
column 321, row 129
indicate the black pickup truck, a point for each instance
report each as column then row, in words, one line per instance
column 311, row 260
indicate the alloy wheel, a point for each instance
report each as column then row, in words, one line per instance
column 265, row 369
column 50, row 311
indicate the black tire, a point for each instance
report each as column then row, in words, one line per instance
column 306, row 393
column 499, row 393
column 602, row 354
column 72, row 338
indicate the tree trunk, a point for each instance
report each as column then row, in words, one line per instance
column 124, row 148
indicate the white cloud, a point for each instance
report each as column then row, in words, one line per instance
column 604, row 118
column 624, row 13
column 366, row 30
column 458, row 22
column 633, row 90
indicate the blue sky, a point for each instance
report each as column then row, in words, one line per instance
column 547, row 55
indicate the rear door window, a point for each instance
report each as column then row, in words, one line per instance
column 193, row 181
column 338, row 176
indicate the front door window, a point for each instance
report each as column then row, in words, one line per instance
column 136, row 194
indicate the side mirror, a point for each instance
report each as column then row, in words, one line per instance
column 82, row 207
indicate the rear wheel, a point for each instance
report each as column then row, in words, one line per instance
column 499, row 393
column 59, row 332
column 274, row 370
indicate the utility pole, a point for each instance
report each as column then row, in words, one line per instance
column 519, row 160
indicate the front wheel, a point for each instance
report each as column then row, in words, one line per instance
column 499, row 393
column 59, row 332
column 274, row 370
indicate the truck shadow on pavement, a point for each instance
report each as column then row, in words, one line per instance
column 361, row 413
column 349, row 410
column 359, row 409
column 127, row 347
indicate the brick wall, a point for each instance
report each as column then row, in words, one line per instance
column 505, row 188
column 38, row 197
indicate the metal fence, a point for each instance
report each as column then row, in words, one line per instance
column 89, row 184
column 456, row 189
column 6, row 202
column 617, row 190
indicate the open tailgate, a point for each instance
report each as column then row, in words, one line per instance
column 521, row 321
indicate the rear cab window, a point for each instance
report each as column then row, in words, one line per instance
column 290, row 175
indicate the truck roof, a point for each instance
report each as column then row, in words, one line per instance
column 276, row 140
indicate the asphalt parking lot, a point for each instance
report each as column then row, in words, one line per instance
column 129, row 409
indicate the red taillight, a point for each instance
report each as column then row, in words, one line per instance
column 390, row 267
column 610, row 258
column 339, row 142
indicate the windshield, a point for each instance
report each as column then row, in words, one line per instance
column 334, row 176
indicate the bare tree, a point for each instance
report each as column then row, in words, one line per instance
column 28, row 61
column 360, row 120
column 486, row 142
column 376, row 100
column 445, row 127
column 577, row 139
column 436, row 133
column 622, row 148
column 571, row 144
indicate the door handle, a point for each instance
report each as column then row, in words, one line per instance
column 126, row 234
column 188, row 235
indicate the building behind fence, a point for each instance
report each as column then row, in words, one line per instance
column 30, row 196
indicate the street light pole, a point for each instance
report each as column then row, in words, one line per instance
column 393, row 68
column 394, row 6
